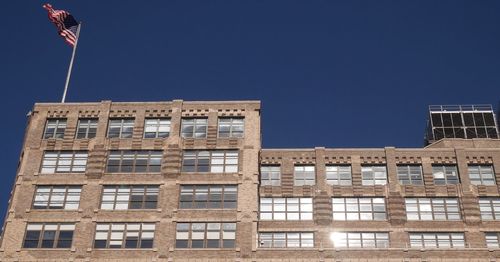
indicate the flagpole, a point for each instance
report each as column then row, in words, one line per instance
column 71, row 63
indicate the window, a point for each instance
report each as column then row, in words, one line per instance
column 87, row 128
column 360, row 239
column 338, row 175
column 208, row 196
column 194, row 127
column 231, row 127
column 210, row 161
column 374, row 175
column 358, row 209
column 270, row 175
column 286, row 208
column 482, row 175
column 437, row 240
column 57, row 197
column 124, row 235
column 410, row 175
column 64, row 162
column 492, row 239
column 54, row 128
column 129, row 197
column 286, row 239
column 432, row 209
column 489, row 208
column 139, row 161
column 156, row 128
column 121, row 128
column 205, row 235
column 48, row 235
column 445, row 174
column 304, row 175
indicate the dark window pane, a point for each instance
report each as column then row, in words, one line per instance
column 131, row 243
column 30, row 244
column 100, row 244
column 147, row 243
column 228, row 243
column 181, row 243
column 213, row 243
column 197, row 244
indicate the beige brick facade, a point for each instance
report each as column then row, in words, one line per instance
column 246, row 216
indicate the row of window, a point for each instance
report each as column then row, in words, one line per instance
column 153, row 128
column 377, row 175
column 124, row 197
column 223, row 235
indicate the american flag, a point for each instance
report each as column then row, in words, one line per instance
column 65, row 23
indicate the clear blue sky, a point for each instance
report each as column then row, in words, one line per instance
column 329, row 73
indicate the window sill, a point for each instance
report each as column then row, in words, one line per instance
column 124, row 249
column 206, row 249
column 132, row 173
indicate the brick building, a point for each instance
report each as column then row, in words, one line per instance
column 188, row 181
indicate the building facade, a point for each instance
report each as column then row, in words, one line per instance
column 188, row 181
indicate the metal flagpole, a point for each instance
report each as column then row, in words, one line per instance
column 71, row 63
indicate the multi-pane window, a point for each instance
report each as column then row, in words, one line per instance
column 437, row 240
column 489, row 208
column 410, row 175
column 360, row 239
column 373, row 175
column 48, row 235
column 54, row 128
column 194, row 127
column 432, row 209
column 231, row 127
column 492, row 239
column 338, row 175
column 210, row 161
column 482, row 175
column 57, row 197
column 124, row 235
column 304, row 175
column 286, row 208
column 270, row 175
column 445, row 174
column 205, row 235
column 138, row 161
column 121, row 128
column 286, row 239
column 87, row 128
column 123, row 197
column 64, row 162
column 358, row 209
column 156, row 128
column 208, row 196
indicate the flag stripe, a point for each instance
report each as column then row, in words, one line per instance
column 66, row 24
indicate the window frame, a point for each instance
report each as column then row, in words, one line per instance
column 224, row 197
column 348, row 208
column 126, row 225
column 222, row 232
column 195, row 126
column 72, row 167
column 89, row 125
column 433, row 204
column 302, row 238
column 481, row 180
column 270, row 181
column 125, row 122
column 115, row 202
column 488, row 238
column 212, row 162
column 492, row 202
column 132, row 157
column 56, row 240
column 338, row 173
column 436, row 240
column 342, row 239
column 232, row 126
column 65, row 200
column 412, row 181
column 300, row 177
column 285, row 206
column 158, row 126
column 373, row 173
column 444, row 170
column 59, row 131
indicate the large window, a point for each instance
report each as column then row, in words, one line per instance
column 445, row 174
column 338, row 175
column 286, row 239
column 139, row 161
column 489, row 208
column 358, row 209
column 231, row 127
column 122, row 197
column 482, row 175
column 87, row 128
column 194, row 127
column 57, row 197
column 432, row 209
column 205, row 235
column 286, row 208
column 270, row 175
column 373, row 175
column 156, row 128
column 437, row 240
column 124, row 235
column 492, row 239
column 121, row 128
column 48, row 235
column 304, row 175
column 208, row 196
column 410, row 175
column 210, row 161
column 54, row 128
column 64, row 162
column 360, row 239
